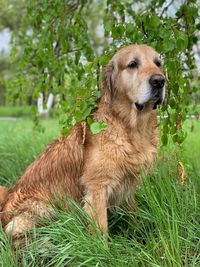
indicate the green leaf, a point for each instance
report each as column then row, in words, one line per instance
column 89, row 120
column 129, row 29
column 97, row 127
column 164, row 139
column 86, row 113
column 172, row 103
column 65, row 131
column 108, row 25
column 182, row 43
column 154, row 21
column 169, row 44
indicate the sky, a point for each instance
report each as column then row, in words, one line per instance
column 5, row 40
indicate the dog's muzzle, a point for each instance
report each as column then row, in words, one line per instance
column 157, row 82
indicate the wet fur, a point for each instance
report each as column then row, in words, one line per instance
column 101, row 170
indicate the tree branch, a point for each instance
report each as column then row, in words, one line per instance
column 165, row 8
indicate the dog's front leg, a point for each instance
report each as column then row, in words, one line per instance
column 96, row 207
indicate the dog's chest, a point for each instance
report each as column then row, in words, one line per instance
column 114, row 161
column 129, row 153
column 115, row 156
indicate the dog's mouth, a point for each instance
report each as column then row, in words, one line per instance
column 154, row 103
column 157, row 103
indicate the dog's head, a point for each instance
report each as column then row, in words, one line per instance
column 135, row 72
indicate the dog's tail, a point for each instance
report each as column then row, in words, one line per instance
column 3, row 195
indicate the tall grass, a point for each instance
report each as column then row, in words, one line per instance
column 164, row 231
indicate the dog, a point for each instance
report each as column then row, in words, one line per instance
column 3, row 194
column 100, row 170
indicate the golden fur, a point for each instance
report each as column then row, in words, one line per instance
column 99, row 170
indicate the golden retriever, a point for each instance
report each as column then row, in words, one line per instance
column 99, row 170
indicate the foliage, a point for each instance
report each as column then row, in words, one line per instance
column 11, row 13
column 58, row 54
column 166, row 229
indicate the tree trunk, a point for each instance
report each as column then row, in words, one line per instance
column 44, row 112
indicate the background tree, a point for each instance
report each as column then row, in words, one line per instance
column 58, row 42
column 11, row 14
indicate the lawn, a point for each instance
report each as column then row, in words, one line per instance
column 16, row 111
column 164, row 231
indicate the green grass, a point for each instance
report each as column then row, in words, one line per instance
column 16, row 111
column 165, row 230
column 24, row 111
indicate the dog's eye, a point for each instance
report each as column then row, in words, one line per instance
column 158, row 63
column 133, row 64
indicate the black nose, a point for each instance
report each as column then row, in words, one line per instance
column 157, row 81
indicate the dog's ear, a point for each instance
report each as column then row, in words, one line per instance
column 108, row 88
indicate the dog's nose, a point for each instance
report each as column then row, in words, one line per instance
column 157, row 81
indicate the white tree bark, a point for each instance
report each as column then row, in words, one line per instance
column 40, row 104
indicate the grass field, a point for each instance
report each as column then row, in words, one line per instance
column 165, row 230
column 16, row 111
